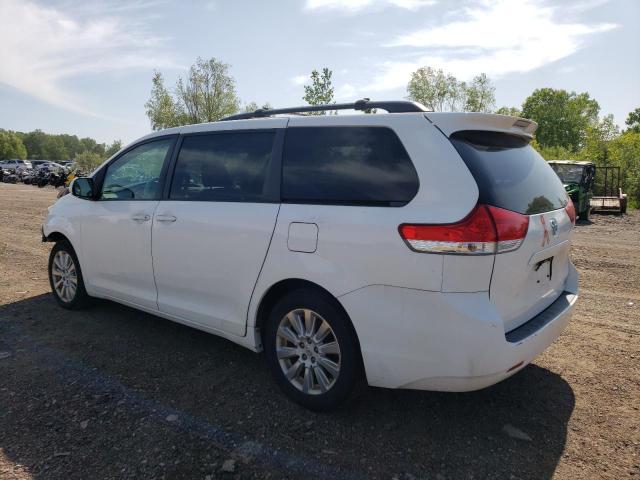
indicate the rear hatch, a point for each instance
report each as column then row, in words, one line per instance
column 512, row 176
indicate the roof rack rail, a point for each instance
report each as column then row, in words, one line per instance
column 394, row 106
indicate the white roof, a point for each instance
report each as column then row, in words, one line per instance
column 448, row 122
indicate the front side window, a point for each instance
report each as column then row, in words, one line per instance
column 136, row 174
column 347, row 166
column 223, row 167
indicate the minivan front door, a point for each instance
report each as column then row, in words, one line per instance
column 116, row 231
column 212, row 233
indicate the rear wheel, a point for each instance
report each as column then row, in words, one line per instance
column 311, row 350
column 65, row 277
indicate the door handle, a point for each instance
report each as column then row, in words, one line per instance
column 166, row 218
column 141, row 217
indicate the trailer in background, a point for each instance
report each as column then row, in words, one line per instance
column 609, row 196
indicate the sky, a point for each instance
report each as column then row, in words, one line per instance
column 84, row 67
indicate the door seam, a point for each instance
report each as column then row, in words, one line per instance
column 264, row 260
column 153, row 268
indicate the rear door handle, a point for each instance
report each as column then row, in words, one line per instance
column 141, row 217
column 166, row 218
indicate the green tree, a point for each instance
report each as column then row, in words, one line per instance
column 563, row 118
column 253, row 106
column 435, row 90
column 320, row 91
column 34, row 142
column 90, row 145
column 39, row 145
column 72, row 145
column 208, row 93
column 554, row 153
column 511, row 111
column 53, row 148
column 624, row 152
column 11, row 146
column 87, row 161
column 440, row 91
column 161, row 108
column 597, row 140
column 633, row 120
column 112, row 149
column 480, row 95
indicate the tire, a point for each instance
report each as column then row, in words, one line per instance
column 63, row 263
column 316, row 385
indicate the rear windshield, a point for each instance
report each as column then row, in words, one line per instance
column 510, row 174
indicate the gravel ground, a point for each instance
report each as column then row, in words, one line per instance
column 114, row 393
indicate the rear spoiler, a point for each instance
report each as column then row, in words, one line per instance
column 450, row 123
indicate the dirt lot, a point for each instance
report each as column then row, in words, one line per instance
column 114, row 393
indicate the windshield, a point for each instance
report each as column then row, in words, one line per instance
column 509, row 172
column 568, row 173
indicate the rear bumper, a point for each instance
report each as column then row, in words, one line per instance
column 447, row 341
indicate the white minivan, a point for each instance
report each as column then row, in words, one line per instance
column 410, row 249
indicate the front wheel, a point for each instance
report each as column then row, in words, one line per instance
column 312, row 350
column 65, row 277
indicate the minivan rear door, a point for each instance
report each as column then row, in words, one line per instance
column 511, row 175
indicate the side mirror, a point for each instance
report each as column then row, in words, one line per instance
column 82, row 187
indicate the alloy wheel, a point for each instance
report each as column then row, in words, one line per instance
column 308, row 351
column 64, row 276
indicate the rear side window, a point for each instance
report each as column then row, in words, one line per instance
column 510, row 174
column 230, row 166
column 347, row 166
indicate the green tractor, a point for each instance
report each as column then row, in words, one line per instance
column 577, row 178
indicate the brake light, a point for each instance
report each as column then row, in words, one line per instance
column 486, row 230
column 571, row 210
column 511, row 228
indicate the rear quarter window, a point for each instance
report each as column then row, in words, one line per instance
column 347, row 166
column 509, row 172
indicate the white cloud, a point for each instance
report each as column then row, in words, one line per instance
column 412, row 4
column 41, row 47
column 495, row 37
column 346, row 92
column 299, row 79
column 352, row 6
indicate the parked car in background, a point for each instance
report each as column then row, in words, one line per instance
column 411, row 249
column 16, row 165
column 49, row 166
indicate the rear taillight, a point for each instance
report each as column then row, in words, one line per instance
column 571, row 210
column 486, row 230
column 511, row 227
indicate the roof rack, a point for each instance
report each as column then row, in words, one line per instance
column 394, row 106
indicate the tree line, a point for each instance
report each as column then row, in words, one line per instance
column 38, row 145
